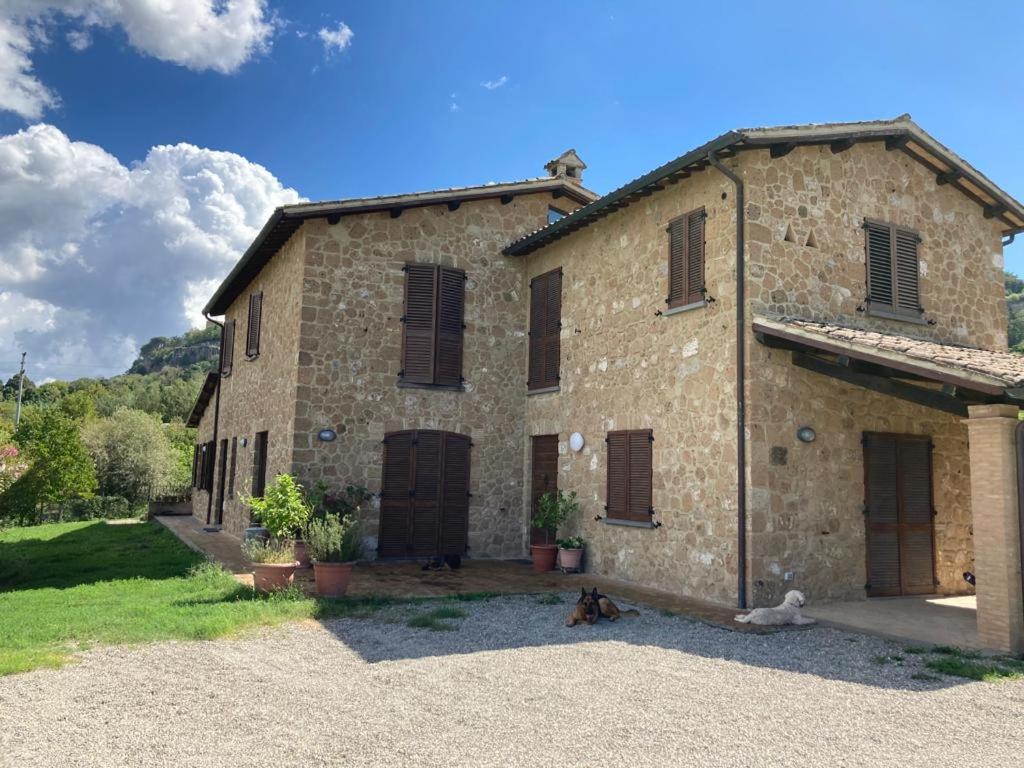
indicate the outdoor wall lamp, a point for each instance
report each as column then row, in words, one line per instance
column 576, row 442
column 327, row 435
column 806, row 434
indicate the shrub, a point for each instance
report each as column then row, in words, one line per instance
column 573, row 542
column 283, row 508
column 334, row 540
column 348, row 502
column 132, row 454
column 278, row 552
column 553, row 510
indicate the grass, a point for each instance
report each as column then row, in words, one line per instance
column 973, row 665
column 435, row 620
column 68, row 586
column 551, row 598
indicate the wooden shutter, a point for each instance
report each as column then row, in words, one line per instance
column 545, row 330
column 227, row 349
column 892, row 269
column 231, row 470
column 630, row 474
column 196, row 454
column 419, row 323
column 259, row 463
column 426, row 494
column 686, row 259
column 455, row 501
column 917, row 566
column 544, row 479
column 396, row 495
column 451, row 293
column 882, row 510
column 252, row 339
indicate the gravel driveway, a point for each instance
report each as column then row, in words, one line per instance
column 508, row 686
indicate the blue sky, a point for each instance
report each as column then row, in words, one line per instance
column 403, row 105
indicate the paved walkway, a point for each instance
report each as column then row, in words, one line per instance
column 407, row 579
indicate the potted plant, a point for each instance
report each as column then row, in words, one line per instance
column 552, row 510
column 273, row 563
column 570, row 553
column 283, row 511
column 335, row 544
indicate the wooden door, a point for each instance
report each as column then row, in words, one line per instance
column 425, row 495
column 222, row 462
column 899, row 514
column 544, row 478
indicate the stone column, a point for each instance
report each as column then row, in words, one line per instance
column 997, row 557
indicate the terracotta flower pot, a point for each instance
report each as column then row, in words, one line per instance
column 570, row 559
column 270, row 577
column 332, row 578
column 301, row 554
column 543, row 556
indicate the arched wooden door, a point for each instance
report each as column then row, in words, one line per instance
column 424, row 509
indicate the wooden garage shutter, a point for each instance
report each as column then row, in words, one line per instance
column 630, row 475
column 686, row 259
column 252, row 337
column 227, row 350
column 396, row 495
column 545, row 330
column 882, row 510
column 892, row 269
column 433, row 325
column 916, row 515
column 455, row 501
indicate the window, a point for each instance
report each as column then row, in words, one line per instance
column 629, row 475
column 197, row 463
column 259, row 463
column 432, row 326
column 554, row 215
column 227, row 347
column 892, row 271
column 231, row 469
column 252, row 337
column 686, row 259
column 545, row 330
column 208, row 453
column 424, row 507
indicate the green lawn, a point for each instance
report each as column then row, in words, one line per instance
column 66, row 586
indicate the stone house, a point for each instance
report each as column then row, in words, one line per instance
column 778, row 361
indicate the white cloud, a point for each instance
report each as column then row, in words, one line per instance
column 198, row 34
column 336, row 40
column 96, row 257
column 491, row 85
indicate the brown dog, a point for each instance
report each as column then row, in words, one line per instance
column 592, row 606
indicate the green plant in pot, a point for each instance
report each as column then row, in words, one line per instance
column 273, row 563
column 570, row 553
column 335, row 544
column 283, row 511
column 553, row 508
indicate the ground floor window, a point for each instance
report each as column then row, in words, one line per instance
column 259, row 463
column 630, row 474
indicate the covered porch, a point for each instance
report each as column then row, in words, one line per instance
column 984, row 388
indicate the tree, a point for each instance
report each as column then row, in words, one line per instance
column 132, row 454
column 79, row 406
column 10, row 389
column 182, row 440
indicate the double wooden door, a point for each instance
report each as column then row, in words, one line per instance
column 424, row 509
column 899, row 513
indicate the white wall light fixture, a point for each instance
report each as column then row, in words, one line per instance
column 576, row 442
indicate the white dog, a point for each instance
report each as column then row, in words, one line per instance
column 787, row 613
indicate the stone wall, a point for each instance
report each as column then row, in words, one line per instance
column 624, row 367
column 350, row 353
column 805, row 515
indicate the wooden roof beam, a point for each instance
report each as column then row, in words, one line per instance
column 948, row 177
column 991, row 211
column 897, row 142
column 781, row 150
column 840, row 145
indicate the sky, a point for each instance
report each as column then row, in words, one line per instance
column 143, row 143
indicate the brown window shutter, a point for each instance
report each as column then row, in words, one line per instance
column 196, row 454
column 451, row 299
column 545, row 330
column 231, row 471
column 419, row 323
column 455, row 499
column 686, row 259
column 396, row 494
column 892, row 268
column 618, row 475
column 259, row 463
column 426, row 497
column 882, row 512
column 908, row 294
column 227, row 351
column 252, row 339
column 914, row 468
column 879, row 257
column 640, row 475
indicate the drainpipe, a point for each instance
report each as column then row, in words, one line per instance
column 216, row 413
column 741, row 398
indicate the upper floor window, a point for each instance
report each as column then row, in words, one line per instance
column 630, row 475
column 432, row 326
column 227, row 347
column 545, row 330
column 893, row 275
column 686, row 259
column 252, row 338
column 554, row 215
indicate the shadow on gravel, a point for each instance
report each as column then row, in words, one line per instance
column 535, row 621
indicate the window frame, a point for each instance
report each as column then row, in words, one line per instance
column 892, row 310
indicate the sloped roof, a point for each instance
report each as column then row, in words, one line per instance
column 203, row 400
column 985, row 370
column 901, row 134
column 286, row 219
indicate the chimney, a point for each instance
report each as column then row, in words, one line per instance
column 567, row 166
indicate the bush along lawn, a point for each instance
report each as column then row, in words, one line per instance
column 67, row 586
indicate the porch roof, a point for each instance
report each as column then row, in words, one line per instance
column 884, row 361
